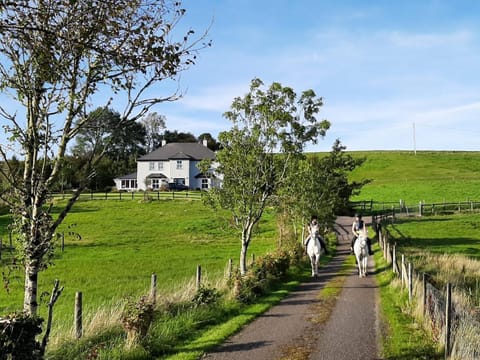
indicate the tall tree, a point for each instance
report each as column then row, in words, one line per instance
column 153, row 124
column 319, row 185
column 176, row 136
column 270, row 129
column 212, row 143
column 56, row 57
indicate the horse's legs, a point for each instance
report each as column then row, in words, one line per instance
column 312, row 263
column 359, row 265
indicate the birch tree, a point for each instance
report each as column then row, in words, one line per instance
column 59, row 57
column 271, row 128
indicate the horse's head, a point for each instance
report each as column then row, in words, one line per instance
column 363, row 235
column 314, row 228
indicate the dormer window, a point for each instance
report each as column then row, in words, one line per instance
column 179, row 165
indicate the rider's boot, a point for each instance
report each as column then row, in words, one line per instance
column 369, row 243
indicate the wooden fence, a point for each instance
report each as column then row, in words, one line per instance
column 78, row 306
column 136, row 195
column 453, row 326
column 421, row 208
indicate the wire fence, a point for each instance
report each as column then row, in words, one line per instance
column 451, row 324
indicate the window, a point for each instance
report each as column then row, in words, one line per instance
column 179, row 165
column 155, row 184
column 151, row 166
column 204, row 183
column 129, row 184
column 160, row 165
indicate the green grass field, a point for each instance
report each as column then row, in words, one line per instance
column 123, row 242
column 428, row 176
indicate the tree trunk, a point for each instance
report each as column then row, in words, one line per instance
column 246, row 237
column 31, row 285
column 243, row 258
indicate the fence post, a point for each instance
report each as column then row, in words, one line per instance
column 62, row 239
column 410, row 282
column 78, row 315
column 253, row 258
column 153, row 288
column 424, row 286
column 420, row 209
column 389, row 257
column 230, row 266
column 199, row 276
column 394, row 258
column 385, row 244
column 402, row 271
column 448, row 309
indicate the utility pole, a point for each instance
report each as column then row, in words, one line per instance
column 414, row 140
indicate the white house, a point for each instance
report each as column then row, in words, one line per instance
column 171, row 163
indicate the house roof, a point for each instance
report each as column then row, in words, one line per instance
column 132, row 176
column 179, row 151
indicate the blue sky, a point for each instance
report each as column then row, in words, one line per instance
column 380, row 66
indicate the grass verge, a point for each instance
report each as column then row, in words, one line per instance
column 401, row 335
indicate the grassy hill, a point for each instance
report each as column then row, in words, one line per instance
column 427, row 176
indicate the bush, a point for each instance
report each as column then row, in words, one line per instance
column 17, row 337
column 205, row 296
column 266, row 270
column 136, row 319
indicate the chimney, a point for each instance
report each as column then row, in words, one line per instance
column 164, row 142
column 205, row 142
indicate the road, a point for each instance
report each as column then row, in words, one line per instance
column 289, row 330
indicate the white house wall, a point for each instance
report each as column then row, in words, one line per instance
column 143, row 170
column 179, row 173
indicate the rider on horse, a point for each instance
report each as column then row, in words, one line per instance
column 358, row 225
column 313, row 231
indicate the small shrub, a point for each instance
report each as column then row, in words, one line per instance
column 246, row 288
column 205, row 296
column 260, row 276
column 136, row 319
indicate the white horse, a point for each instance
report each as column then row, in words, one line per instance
column 313, row 247
column 361, row 252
